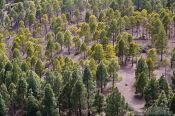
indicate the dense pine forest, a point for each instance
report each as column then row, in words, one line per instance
column 87, row 57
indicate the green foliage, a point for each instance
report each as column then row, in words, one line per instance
column 79, row 94
column 101, row 75
column 3, row 107
column 39, row 68
column 151, row 92
column 115, row 104
column 157, row 111
column 99, row 102
column 141, row 82
column 67, row 40
column 141, row 67
column 113, row 68
column 98, row 52
column 32, row 105
column 48, row 102
column 161, row 42
column 33, row 83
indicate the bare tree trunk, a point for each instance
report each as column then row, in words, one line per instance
column 113, row 80
column 132, row 61
column 161, row 55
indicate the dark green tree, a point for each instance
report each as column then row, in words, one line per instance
column 141, row 67
column 115, row 104
column 162, row 100
column 48, row 102
column 157, row 111
column 151, row 92
column 113, row 68
column 90, row 86
column 39, row 68
column 141, row 83
column 3, row 107
column 60, row 39
column 33, row 83
column 101, row 76
column 32, row 105
column 21, row 92
column 79, row 96
column 99, row 102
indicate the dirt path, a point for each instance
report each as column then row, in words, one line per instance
column 127, row 89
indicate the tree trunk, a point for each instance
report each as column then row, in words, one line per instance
column 79, row 105
column 61, row 47
column 113, row 80
column 149, row 73
column 88, row 98
column 122, row 59
column 161, row 59
column 69, row 50
column 165, row 71
column 69, row 113
column 101, row 85
column 45, row 26
column 84, row 55
column 113, row 41
column 132, row 61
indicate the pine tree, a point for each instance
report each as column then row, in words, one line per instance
column 110, row 52
column 101, row 75
column 113, row 68
column 68, row 90
column 21, row 92
column 16, row 71
column 163, row 85
column 98, row 52
column 48, row 102
column 79, row 94
column 115, row 104
column 49, row 49
column 39, row 68
column 90, row 86
column 99, row 102
column 13, row 96
column 162, row 100
column 161, row 42
column 33, row 82
column 67, row 76
column 152, row 54
column 32, row 105
column 24, row 67
column 150, row 67
column 67, row 40
column 151, row 92
column 57, row 84
column 5, row 94
column 50, row 77
column 121, row 49
column 157, row 111
column 83, row 49
column 60, row 39
column 3, row 107
column 141, row 83
column 141, row 67
column 16, row 53
column 113, row 29
column 172, row 104
column 133, row 50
